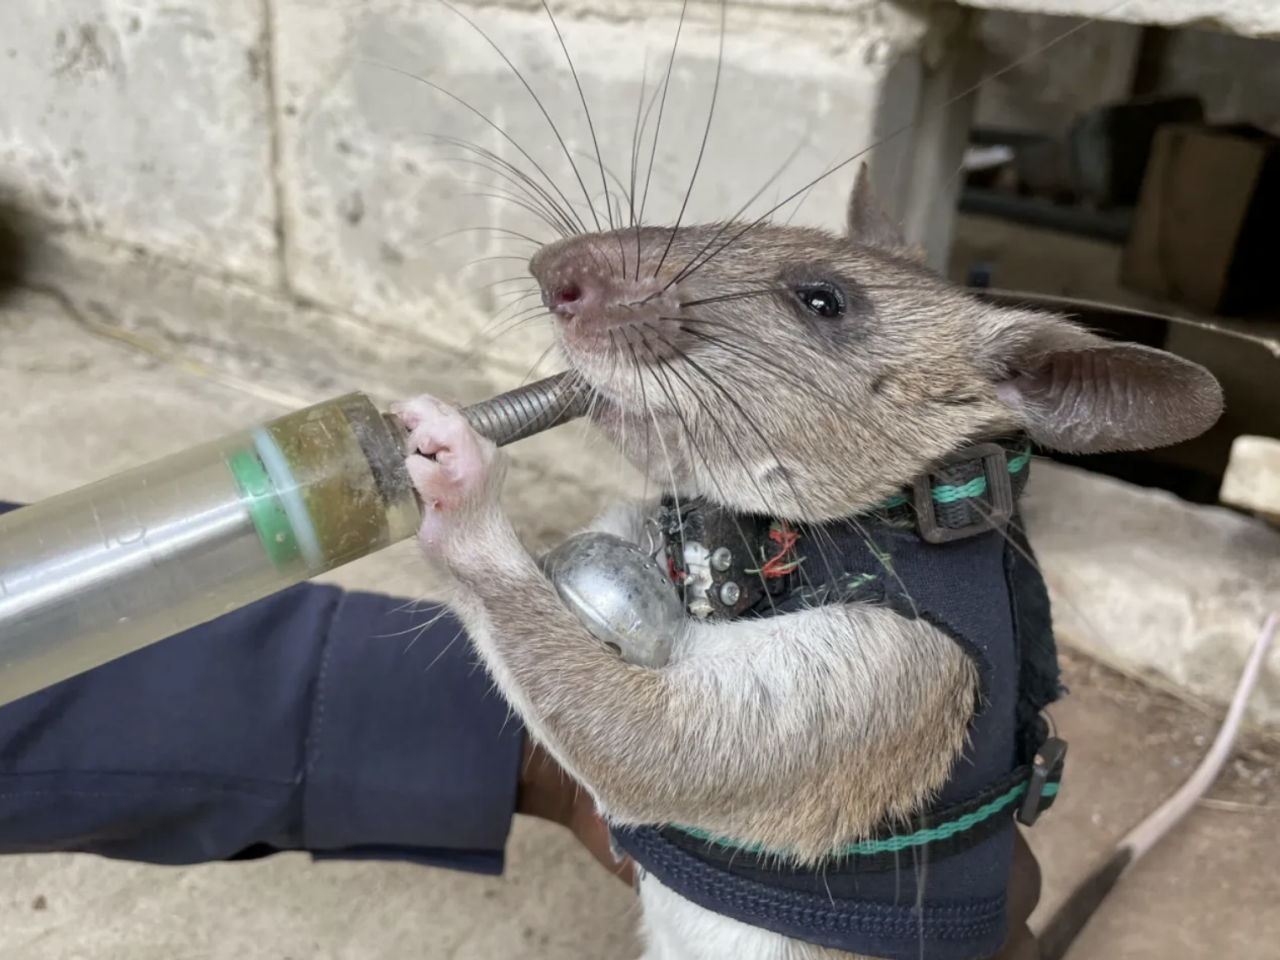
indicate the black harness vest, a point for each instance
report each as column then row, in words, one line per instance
column 951, row 551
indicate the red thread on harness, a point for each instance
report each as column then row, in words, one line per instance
column 778, row 565
column 675, row 575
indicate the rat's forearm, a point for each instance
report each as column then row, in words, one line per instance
column 539, row 654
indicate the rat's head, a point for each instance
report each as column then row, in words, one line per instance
column 794, row 372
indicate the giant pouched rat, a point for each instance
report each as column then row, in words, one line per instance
column 794, row 374
column 808, row 379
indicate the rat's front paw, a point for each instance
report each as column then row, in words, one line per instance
column 452, row 467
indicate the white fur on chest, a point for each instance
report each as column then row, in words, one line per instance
column 675, row 929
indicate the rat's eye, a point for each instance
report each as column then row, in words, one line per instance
column 824, row 299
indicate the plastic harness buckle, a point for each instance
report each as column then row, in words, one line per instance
column 999, row 489
column 1046, row 770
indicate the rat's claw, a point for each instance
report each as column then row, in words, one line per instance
column 449, row 466
column 420, row 409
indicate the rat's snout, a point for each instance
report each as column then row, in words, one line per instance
column 592, row 283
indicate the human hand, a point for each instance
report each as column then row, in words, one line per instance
column 547, row 792
column 1024, row 895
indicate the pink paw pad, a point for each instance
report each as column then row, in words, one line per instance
column 449, row 463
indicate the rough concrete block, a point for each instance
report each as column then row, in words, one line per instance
column 374, row 206
column 147, row 122
column 1250, row 18
column 1252, row 479
column 1147, row 582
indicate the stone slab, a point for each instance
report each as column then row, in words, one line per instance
column 1252, row 480
column 1149, row 583
column 148, row 122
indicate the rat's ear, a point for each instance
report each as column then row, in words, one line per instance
column 867, row 223
column 1079, row 393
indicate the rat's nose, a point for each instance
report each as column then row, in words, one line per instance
column 588, row 282
column 574, row 277
column 564, row 298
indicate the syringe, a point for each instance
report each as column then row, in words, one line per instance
column 106, row 569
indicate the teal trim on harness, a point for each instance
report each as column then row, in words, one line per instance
column 898, row 843
column 1020, row 461
column 974, row 488
column 945, row 493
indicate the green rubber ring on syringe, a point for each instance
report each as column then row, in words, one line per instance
column 265, row 510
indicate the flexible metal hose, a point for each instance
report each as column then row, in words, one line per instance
column 530, row 409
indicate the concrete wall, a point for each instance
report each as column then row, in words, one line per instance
column 145, row 123
column 291, row 148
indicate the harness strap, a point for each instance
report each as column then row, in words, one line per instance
column 1028, row 790
column 957, row 929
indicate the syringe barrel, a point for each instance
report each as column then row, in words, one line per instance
column 114, row 566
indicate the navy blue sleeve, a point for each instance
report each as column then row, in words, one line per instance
column 344, row 724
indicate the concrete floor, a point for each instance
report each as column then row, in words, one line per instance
column 1212, row 891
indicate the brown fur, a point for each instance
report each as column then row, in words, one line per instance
column 800, row 732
